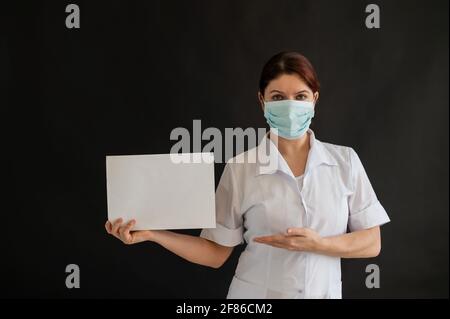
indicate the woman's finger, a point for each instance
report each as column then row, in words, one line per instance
column 129, row 225
column 121, row 234
column 125, row 232
column 115, row 227
column 275, row 244
column 270, row 238
column 278, row 241
column 108, row 227
column 297, row 232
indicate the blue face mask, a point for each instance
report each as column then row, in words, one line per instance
column 291, row 117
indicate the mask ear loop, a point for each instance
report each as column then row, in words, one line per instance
column 264, row 104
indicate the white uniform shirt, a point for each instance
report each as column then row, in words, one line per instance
column 334, row 193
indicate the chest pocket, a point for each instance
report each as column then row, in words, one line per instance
column 325, row 196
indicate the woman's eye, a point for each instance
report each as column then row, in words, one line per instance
column 277, row 97
column 301, row 97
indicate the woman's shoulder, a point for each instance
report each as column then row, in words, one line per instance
column 335, row 148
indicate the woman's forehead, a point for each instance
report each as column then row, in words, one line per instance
column 287, row 83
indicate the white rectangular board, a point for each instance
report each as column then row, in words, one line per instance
column 160, row 193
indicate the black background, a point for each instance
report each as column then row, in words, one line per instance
column 136, row 70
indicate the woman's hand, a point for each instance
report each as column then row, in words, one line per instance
column 192, row 248
column 297, row 239
column 124, row 233
column 365, row 243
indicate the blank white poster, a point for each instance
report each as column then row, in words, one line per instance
column 161, row 193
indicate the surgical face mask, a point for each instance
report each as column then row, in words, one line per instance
column 291, row 117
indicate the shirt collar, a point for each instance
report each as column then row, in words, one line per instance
column 274, row 161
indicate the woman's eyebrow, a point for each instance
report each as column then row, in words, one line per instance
column 302, row 91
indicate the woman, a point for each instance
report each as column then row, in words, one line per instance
column 294, row 216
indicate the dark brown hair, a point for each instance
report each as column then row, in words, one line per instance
column 289, row 62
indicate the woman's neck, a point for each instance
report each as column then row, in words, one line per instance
column 292, row 147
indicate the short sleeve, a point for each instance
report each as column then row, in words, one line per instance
column 229, row 224
column 365, row 210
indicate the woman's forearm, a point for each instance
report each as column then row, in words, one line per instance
column 192, row 248
column 359, row 244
